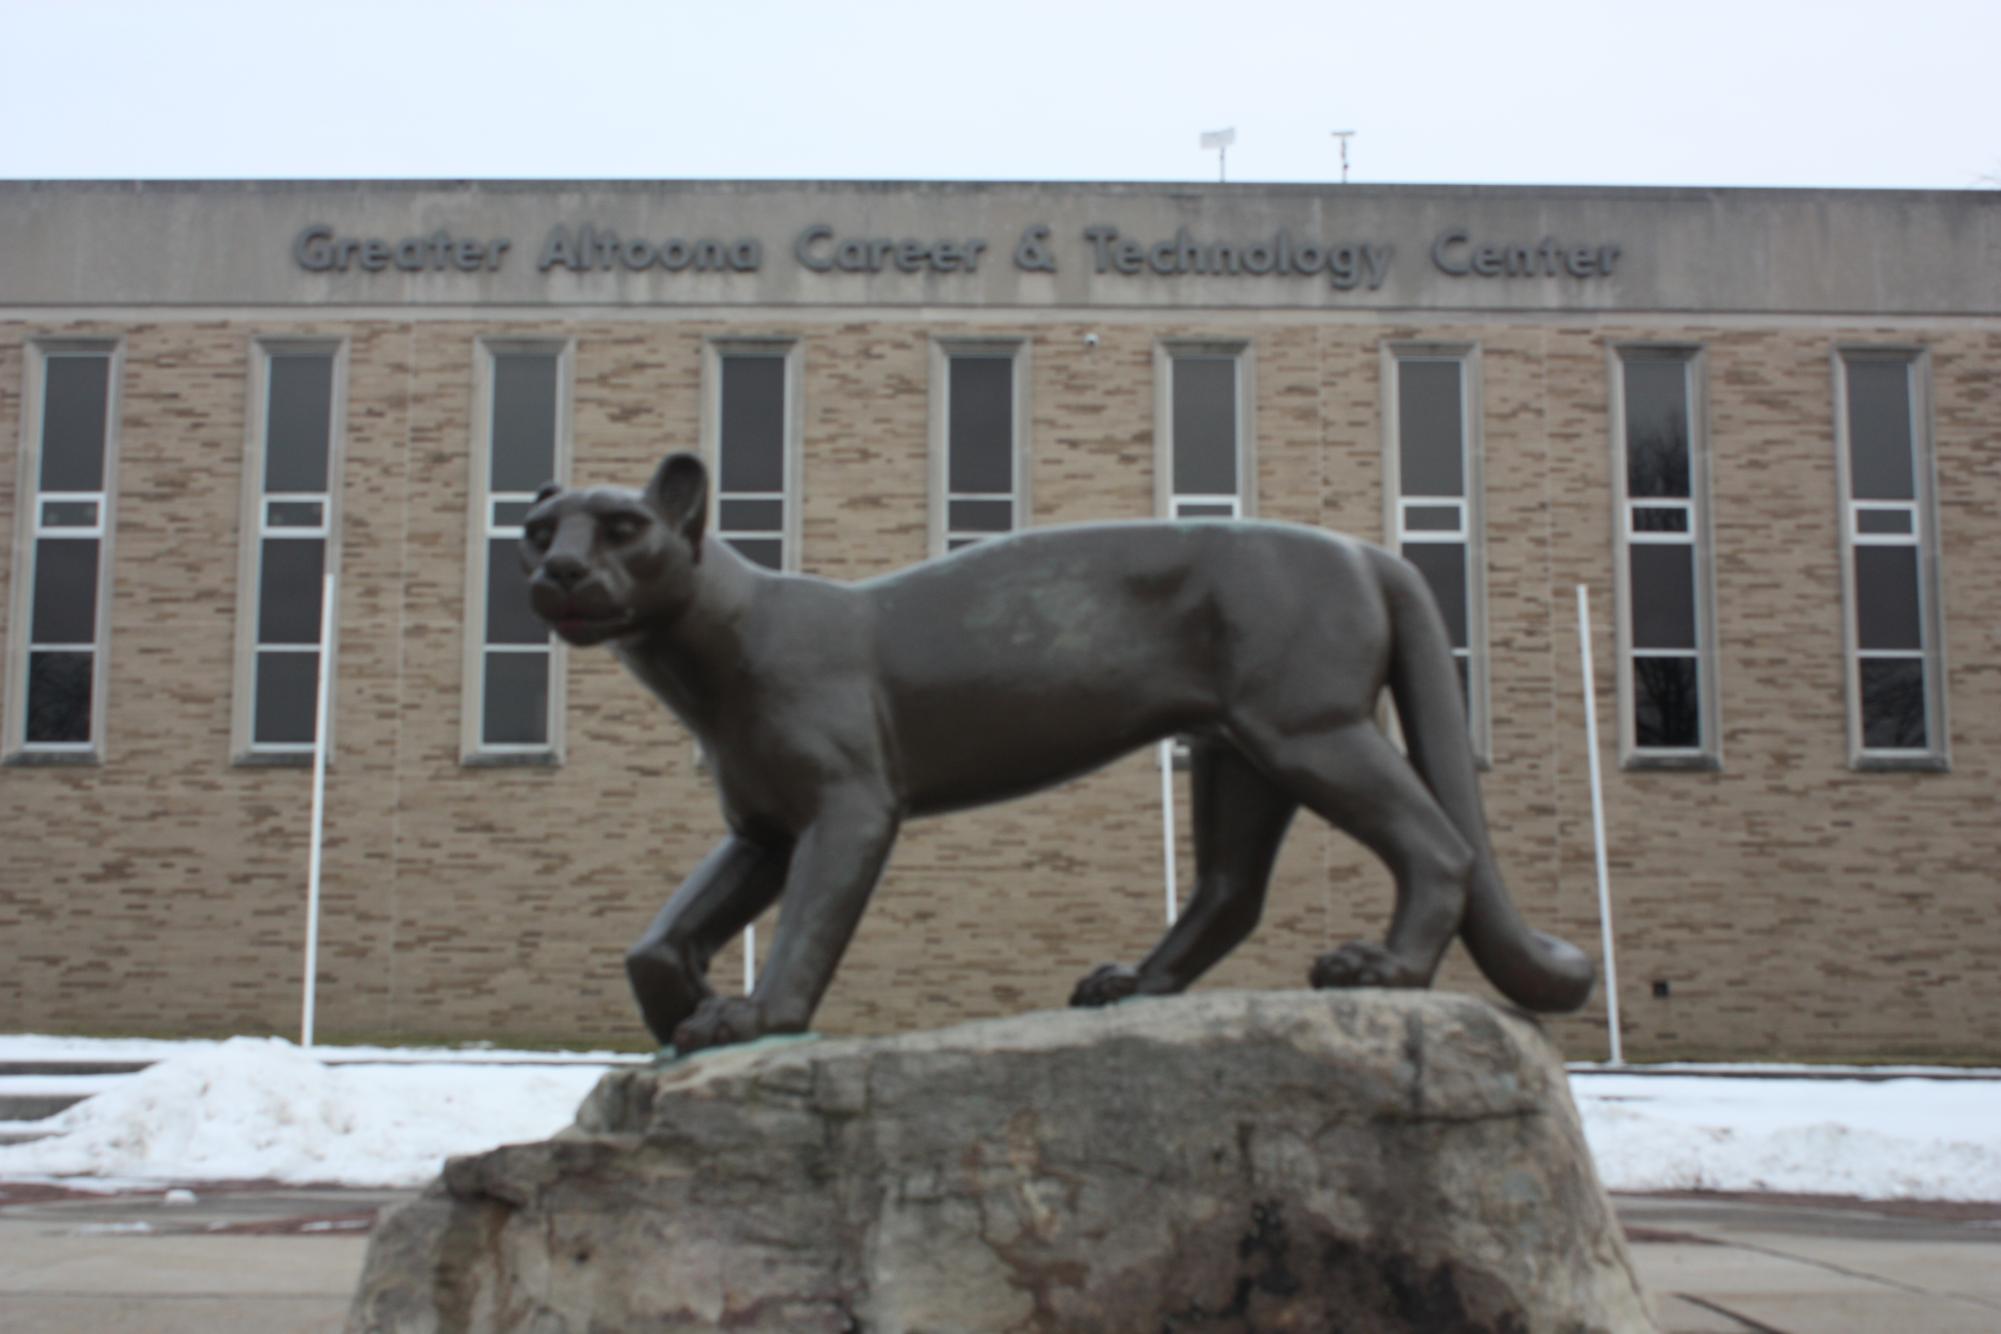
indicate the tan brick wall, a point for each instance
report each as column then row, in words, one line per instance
column 1797, row 908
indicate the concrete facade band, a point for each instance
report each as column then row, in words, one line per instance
column 1787, row 890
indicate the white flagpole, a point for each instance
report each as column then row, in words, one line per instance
column 1598, row 823
column 321, row 709
column 1167, row 826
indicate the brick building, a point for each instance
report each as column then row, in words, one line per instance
column 1759, row 426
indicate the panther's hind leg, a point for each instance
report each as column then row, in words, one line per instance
column 1356, row 780
column 1240, row 819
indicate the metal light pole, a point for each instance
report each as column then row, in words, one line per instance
column 322, row 706
column 1598, row 823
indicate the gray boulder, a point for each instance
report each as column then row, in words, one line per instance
column 1351, row 1161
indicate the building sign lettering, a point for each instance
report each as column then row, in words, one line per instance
column 319, row 250
column 818, row 249
column 1457, row 252
column 1345, row 265
column 590, row 247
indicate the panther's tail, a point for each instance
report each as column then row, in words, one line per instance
column 1534, row 970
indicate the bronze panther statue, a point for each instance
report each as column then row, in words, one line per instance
column 833, row 712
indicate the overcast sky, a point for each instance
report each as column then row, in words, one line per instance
column 1552, row 92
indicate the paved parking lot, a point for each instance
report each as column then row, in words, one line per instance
column 283, row 1260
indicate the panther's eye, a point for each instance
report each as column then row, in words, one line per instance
column 539, row 535
column 623, row 528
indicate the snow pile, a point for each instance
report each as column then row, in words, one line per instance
column 1907, row 1138
column 262, row 1109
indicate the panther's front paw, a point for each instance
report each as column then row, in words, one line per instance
column 720, row 1021
column 1360, row 964
column 1108, row 984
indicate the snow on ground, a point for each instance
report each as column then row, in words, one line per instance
column 1899, row 1138
column 18, row 1047
column 261, row 1108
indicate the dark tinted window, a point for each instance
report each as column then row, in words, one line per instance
column 1431, row 446
column 298, row 415
column 1663, row 596
column 1893, row 704
column 980, row 516
column 77, row 392
column 1879, row 430
column 516, row 699
column 1205, row 426
column 59, row 697
column 1444, row 567
column 1431, row 519
column 288, row 596
column 756, row 516
column 295, row 513
column 287, row 697
column 65, row 591
column 1666, row 703
column 766, row 551
column 524, row 420
column 1884, row 521
column 753, row 425
column 1660, row 518
column 1886, row 598
column 981, row 426
column 509, row 618
column 1656, row 428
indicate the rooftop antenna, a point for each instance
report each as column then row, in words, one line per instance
column 1220, row 140
column 1344, row 136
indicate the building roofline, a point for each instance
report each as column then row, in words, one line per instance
column 1220, row 190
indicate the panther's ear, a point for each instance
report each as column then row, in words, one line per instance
column 548, row 489
column 680, row 491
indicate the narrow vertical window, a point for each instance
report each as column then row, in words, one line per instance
column 1204, row 433
column 1432, row 462
column 516, row 684
column 978, row 463
column 754, row 448
column 1667, row 685
column 1203, row 470
column 1896, row 702
column 62, row 572
column 290, row 491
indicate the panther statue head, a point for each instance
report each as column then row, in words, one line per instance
column 608, row 562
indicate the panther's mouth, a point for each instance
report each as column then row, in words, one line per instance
column 579, row 629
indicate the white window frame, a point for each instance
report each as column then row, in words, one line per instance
column 481, row 527
column 941, row 536
column 1168, row 503
column 789, row 351
column 30, row 515
column 1699, row 537
column 1923, row 533
column 1471, row 508
column 255, row 526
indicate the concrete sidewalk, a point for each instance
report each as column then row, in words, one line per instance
column 1816, row 1266
column 277, row 1260
column 284, row 1260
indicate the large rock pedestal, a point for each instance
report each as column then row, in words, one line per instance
column 1228, row 1161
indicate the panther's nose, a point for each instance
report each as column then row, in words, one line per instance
column 564, row 570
